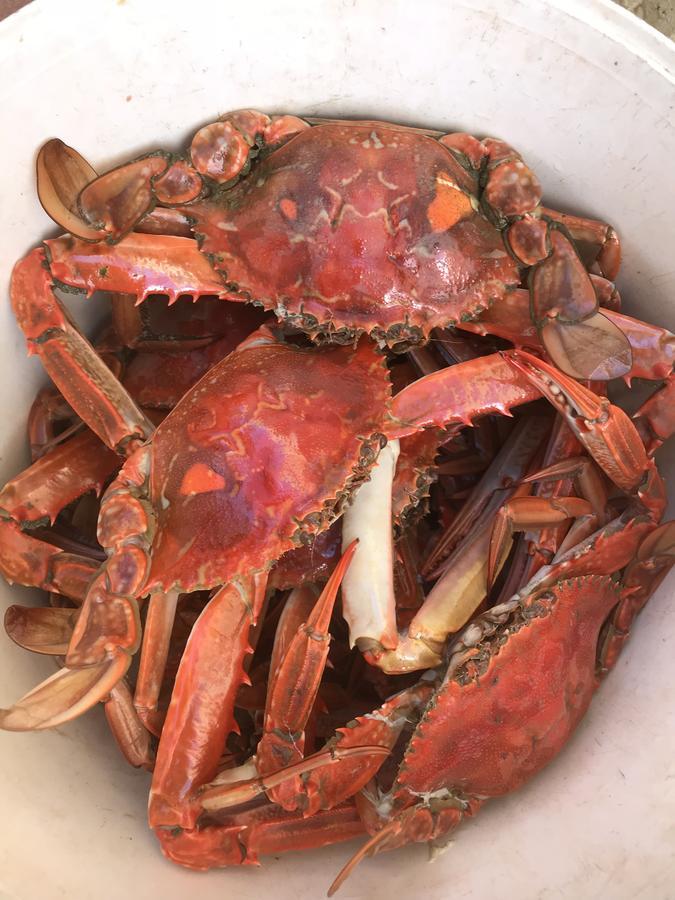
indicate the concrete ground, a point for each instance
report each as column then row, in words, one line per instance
column 659, row 13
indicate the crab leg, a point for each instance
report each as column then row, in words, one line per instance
column 604, row 430
column 449, row 605
column 652, row 347
column 35, row 563
column 297, row 610
column 49, row 630
column 200, row 715
column 41, row 491
column 598, row 243
column 159, row 622
column 507, row 468
column 129, row 732
column 463, row 585
column 47, row 409
column 655, row 420
column 107, row 632
column 590, row 484
column 34, row 498
column 527, row 514
column 294, row 686
column 368, row 602
column 82, row 377
column 582, row 341
column 263, row 830
column 460, row 393
column 344, row 766
column 654, row 559
column 140, row 264
column 562, row 445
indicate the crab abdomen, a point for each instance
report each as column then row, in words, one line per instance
column 360, row 225
column 261, row 450
column 509, row 709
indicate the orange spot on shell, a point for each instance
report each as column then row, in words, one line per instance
column 449, row 205
column 200, row 478
column 289, row 208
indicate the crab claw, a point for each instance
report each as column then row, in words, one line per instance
column 117, row 200
column 64, row 696
column 61, row 174
column 581, row 341
column 42, row 629
column 594, row 350
column 605, row 431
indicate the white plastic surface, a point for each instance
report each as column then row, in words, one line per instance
column 586, row 92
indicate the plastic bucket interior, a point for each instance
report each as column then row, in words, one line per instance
column 586, row 92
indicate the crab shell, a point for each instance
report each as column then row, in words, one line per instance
column 359, row 226
column 510, row 701
column 246, row 466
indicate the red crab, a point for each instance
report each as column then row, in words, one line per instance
column 340, row 228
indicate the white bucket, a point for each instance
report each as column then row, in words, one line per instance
column 586, row 92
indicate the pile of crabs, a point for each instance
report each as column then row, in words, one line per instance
column 342, row 358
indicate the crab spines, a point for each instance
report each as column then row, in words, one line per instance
column 460, row 393
column 63, row 474
column 604, row 429
column 139, row 265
